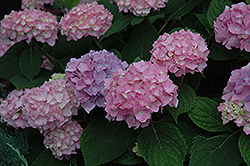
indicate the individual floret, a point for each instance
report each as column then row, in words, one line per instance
column 29, row 24
column 63, row 141
column 50, row 105
column 88, row 19
column 11, row 109
column 181, row 52
column 38, row 4
column 232, row 27
column 85, row 76
column 140, row 7
column 133, row 95
column 237, row 99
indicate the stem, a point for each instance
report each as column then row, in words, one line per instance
column 244, row 56
column 61, row 6
column 182, row 79
column 163, row 26
column 100, row 46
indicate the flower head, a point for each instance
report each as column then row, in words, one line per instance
column 38, row 4
column 50, row 105
column 85, row 76
column 140, row 7
column 232, row 27
column 64, row 140
column 29, row 24
column 237, row 98
column 88, row 19
column 11, row 109
column 181, row 52
column 133, row 95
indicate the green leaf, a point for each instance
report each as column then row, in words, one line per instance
column 215, row 151
column 46, row 158
column 215, row 9
column 204, row 21
column 68, row 49
column 247, row 2
column 194, row 80
column 181, row 8
column 10, row 60
column 102, row 141
column 220, row 52
column 206, row 115
column 19, row 81
column 118, row 25
column 129, row 159
column 69, row 4
column 140, row 42
column 117, row 53
column 30, row 62
column 244, row 147
column 112, row 7
column 137, row 20
column 187, row 98
column 162, row 144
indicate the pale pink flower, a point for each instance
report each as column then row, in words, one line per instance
column 237, row 99
column 38, row 4
column 50, row 105
column 181, row 52
column 11, row 109
column 29, row 24
column 46, row 63
column 4, row 46
column 232, row 27
column 64, row 140
column 85, row 76
column 133, row 95
column 140, row 7
column 88, row 19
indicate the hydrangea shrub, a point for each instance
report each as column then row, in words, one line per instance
column 125, row 82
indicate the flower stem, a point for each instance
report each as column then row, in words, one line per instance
column 61, row 6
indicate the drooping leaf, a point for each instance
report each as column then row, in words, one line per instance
column 102, row 141
column 117, row 53
column 69, row 4
column 206, row 115
column 187, row 98
column 204, row 21
column 69, row 49
column 215, row 151
column 30, row 62
column 112, row 7
column 162, row 144
column 215, row 9
column 118, row 25
column 244, row 147
column 10, row 60
column 136, row 20
column 22, row 82
column 46, row 158
column 140, row 42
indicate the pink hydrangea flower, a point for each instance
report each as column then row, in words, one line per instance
column 237, row 99
column 232, row 27
column 88, row 19
column 11, row 109
column 29, row 24
column 140, row 7
column 133, row 95
column 85, row 76
column 4, row 46
column 181, row 52
column 50, row 105
column 38, row 4
column 64, row 140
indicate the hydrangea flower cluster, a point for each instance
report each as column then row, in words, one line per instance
column 88, row 19
column 64, row 140
column 4, row 46
column 46, row 63
column 232, row 27
column 11, row 109
column 237, row 99
column 28, row 24
column 181, row 52
column 85, row 76
column 50, row 105
column 38, row 4
column 140, row 7
column 133, row 95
